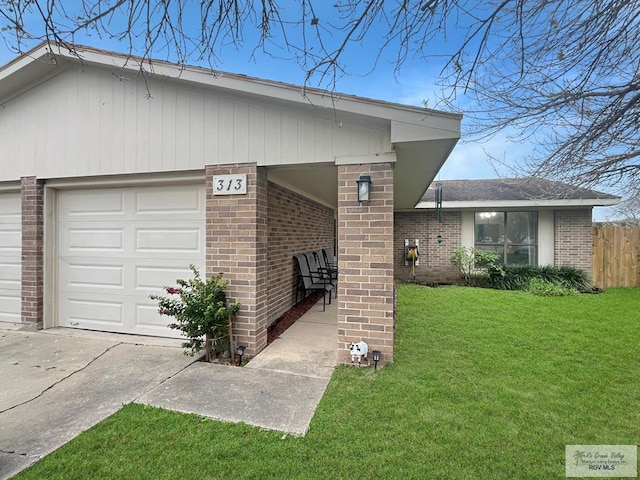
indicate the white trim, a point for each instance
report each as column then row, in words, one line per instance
column 35, row 55
column 467, row 229
column 495, row 204
column 546, row 237
column 128, row 180
column 50, row 259
column 10, row 187
column 387, row 157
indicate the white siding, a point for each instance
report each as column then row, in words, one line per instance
column 10, row 257
column 89, row 122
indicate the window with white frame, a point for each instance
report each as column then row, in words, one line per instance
column 512, row 235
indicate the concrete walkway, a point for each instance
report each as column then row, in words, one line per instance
column 279, row 389
column 59, row 383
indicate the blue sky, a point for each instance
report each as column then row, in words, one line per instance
column 414, row 83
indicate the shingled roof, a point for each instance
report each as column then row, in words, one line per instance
column 518, row 190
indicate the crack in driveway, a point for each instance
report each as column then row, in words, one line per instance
column 61, row 380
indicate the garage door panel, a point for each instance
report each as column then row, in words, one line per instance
column 88, row 310
column 10, row 306
column 85, row 239
column 92, row 203
column 10, row 210
column 10, row 273
column 179, row 240
column 185, row 201
column 152, row 279
column 10, row 241
column 10, row 257
column 150, row 322
column 75, row 276
column 108, row 266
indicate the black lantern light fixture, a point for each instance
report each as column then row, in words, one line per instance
column 364, row 189
column 376, row 358
column 240, row 353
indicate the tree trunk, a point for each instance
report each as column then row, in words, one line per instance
column 207, row 347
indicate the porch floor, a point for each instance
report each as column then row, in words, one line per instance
column 308, row 348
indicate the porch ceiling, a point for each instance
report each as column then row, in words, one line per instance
column 416, row 166
column 318, row 181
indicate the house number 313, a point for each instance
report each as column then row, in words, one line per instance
column 230, row 184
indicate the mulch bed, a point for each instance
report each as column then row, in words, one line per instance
column 278, row 327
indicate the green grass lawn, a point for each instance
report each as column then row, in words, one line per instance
column 485, row 385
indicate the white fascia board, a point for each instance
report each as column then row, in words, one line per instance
column 428, row 128
column 21, row 62
column 493, row 204
column 388, row 157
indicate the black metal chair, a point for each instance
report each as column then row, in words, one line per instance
column 329, row 261
column 325, row 269
column 308, row 280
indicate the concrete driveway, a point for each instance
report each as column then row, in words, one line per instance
column 58, row 383
column 55, row 384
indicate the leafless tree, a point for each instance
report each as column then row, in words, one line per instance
column 563, row 74
column 628, row 211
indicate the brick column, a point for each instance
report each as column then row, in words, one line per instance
column 236, row 245
column 32, row 250
column 365, row 262
column 574, row 239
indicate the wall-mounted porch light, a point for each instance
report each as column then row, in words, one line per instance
column 240, row 353
column 376, row 358
column 364, row 189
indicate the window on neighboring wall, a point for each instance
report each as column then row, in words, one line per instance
column 512, row 235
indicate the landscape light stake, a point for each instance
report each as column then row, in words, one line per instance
column 376, row 358
column 240, row 352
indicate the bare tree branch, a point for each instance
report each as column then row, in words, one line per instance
column 562, row 74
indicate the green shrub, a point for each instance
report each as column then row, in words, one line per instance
column 476, row 265
column 518, row 277
column 201, row 312
column 544, row 288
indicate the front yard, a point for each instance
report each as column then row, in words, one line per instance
column 486, row 384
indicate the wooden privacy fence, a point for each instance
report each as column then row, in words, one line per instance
column 616, row 256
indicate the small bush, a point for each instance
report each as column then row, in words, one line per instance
column 518, row 277
column 544, row 288
column 201, row 312
column 476, row 265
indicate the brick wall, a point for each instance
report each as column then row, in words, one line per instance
column 434, row 260
column 573, row 232
column 236, row 244
column 295, row 224
column 32, row 250
column 365, row 262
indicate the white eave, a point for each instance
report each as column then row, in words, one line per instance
column 522, row 204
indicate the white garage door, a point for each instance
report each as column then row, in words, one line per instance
column 10, row 257
column 117, row 246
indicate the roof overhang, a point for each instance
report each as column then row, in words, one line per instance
column 522, row 204
column 421, row 138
